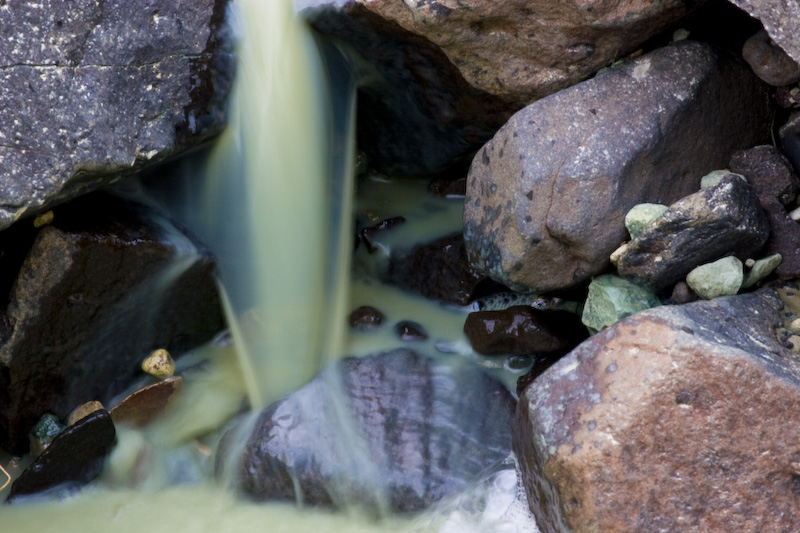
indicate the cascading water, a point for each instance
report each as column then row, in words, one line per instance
column 280, row 173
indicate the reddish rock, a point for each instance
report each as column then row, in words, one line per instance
column 679, row 418
column 780, row 18
column 769, row 61
column 410, row 331
column 366, row 318
column 521, row 330
column 146, row 404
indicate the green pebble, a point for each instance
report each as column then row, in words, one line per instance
column 761, row 269
column 722, row 277
column 715, row 176
column 642, row 215
column 47, row 428
column 612, row 298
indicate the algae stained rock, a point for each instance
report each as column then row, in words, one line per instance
column 547, row 196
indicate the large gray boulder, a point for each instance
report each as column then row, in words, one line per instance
column 444, row 75
column 394, row 429
column 669, row 422
column 92, row 90
column 547, row 196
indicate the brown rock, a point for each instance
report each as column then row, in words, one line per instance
column 521, row 330
column 547, row 196
column 680, row 418
column 781, row 20
column 97, row 291
column 790, row 140
column 74, row 458
column 769, row 61
column 445, row 75
column 410, row 331
column 769, row 172
column 146, row 404
column 366, row 318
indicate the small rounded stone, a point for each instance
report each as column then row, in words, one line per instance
column 43, row 219
column 159, row 364
column 410, row 331
column 82, row 411
column 366, row 318
column 722, row 277
column 795, row 326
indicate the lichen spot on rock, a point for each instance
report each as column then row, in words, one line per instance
column 159, row 364
column 641, row 69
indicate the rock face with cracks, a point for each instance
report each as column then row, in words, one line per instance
column 680, row 418
column 547, row 196
column 81, row 106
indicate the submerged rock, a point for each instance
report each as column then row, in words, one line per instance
column 97, row 290
column 73, row 458
column 680, row 418
column 413, row 432
column 521, row 330
column 547, row 196
column 700, row 228
column 438, row 270
column 93, row 90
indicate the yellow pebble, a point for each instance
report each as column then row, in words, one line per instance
column 83, row 410
column 43, row 219
column 159, row 364
column 795, row 326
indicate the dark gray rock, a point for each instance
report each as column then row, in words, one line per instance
column 94, row 89
column 707, row 225
column 414, row 432
column 95, row 292
column 439, row 78
column 547, row 196
column 790, row 141
column 769, row 61
column 73, row 458
column 679, row 418
column 777, row 185
column 522, row 330
column 438, row 270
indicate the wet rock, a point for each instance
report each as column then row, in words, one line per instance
column 780, row 19
column 612, row 298
column 74, row 457
column 81, row 105
column 445, row 75
column 99, row 288
column 425, row 431
column 680, row 418
column 438, row 270
column 769, row 61
column 777, row 186
column 521, row 330
column 46, row 429
column 366, row 318
column 700, row 228
column 367, row 234
column 410, row 331
column 546, row 197
column 82, row 411
column 146, row 404
column 722, row 277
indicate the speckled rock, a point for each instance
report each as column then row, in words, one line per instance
column 780, row 18
column 700, row 228
column 91, row 90
column 668, row 422
column 546, row 197
column 424, row 431
column 97, row 290
column 770, row 62
column 444, row 75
